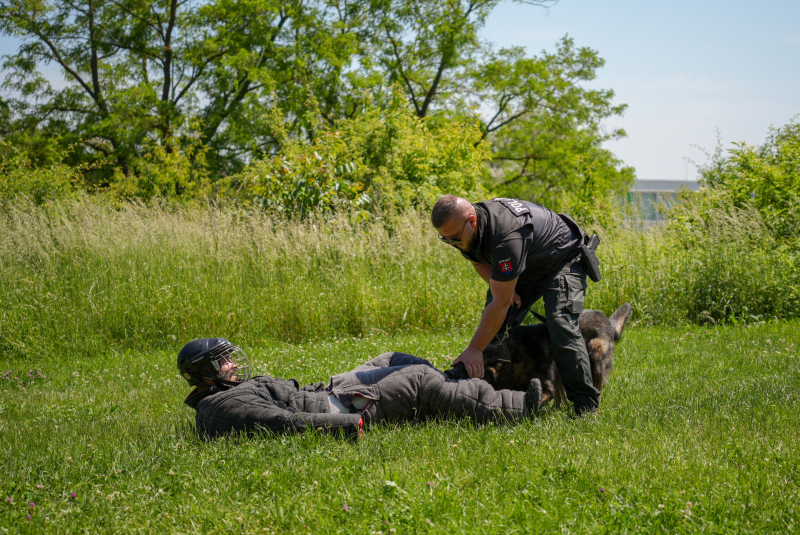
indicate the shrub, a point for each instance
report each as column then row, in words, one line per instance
column 382, row 159
column 177, row 169
column 766, row 176
column 20, row 177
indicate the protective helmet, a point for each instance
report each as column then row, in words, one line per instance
column 214, row 359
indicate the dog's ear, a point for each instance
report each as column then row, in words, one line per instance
column 619, row 318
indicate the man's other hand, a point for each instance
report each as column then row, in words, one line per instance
column 473, row 361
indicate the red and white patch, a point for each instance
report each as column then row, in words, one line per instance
column 505, row 267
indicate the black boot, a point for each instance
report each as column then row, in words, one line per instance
column 584, row 411
column 533, row 397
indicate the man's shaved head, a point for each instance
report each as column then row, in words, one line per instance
column 447, row 207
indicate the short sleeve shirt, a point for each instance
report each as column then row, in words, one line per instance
column 509, row 256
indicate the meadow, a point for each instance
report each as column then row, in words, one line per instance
column 697, row 433
column 697, row 430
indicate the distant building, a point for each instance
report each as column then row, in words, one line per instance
column 647, row 195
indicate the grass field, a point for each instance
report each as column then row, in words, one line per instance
column 697, row 433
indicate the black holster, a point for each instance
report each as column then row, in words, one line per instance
column 589, row 260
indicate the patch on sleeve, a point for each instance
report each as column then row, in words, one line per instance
column 505, row 266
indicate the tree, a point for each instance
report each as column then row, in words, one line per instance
column 545, row 128
column 208, row 86
column 139, row 73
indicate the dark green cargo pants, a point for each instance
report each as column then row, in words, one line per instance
column 563, row 292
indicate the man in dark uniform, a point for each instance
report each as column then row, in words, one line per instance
column 524, row 252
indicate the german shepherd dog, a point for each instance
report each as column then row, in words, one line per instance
column 525, row 354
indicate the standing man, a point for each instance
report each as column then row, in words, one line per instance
column 524, row 252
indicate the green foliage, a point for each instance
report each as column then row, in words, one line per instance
column 411, row 163
column 766, row 177
column 21, row 177
column 191, row 91
column 137, row 72
column 177, row 169
column 387, row 159
column 721, row 265
column 305, row 178
column 546, row 130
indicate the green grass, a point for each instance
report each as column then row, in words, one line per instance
column 81, row 277
column 697, row 433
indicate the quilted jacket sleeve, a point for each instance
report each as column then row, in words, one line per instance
column 242, row 411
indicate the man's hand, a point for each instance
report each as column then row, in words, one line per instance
column 517, row 300
column 473, row 360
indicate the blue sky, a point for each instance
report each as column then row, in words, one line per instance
column 685, row 69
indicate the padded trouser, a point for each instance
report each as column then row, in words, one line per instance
column 404, row 387
column 563, row 293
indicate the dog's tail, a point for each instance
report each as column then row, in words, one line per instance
column 619, row 318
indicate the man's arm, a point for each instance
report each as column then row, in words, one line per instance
column 503, row 295
column 484, row 270
column 253, row 412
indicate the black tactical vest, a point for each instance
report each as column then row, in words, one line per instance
column 550, row 238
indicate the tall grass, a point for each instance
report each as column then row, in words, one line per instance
column 707, row 266
column 80, row 276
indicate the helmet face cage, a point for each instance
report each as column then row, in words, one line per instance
column 213, row 359
column 230, row 362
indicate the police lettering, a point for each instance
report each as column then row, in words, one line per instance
column 516, row 207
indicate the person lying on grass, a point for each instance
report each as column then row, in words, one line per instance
column 392, row 387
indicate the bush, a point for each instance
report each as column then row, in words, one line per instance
column 177, row 169
column 766, row 176
column 20, row 177
column 387, row 160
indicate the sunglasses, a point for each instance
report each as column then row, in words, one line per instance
column 454, row 241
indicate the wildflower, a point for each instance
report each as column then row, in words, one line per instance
column 345, row 508
column 430, row 483
column 32, row 505
column 28, row 517
column 38, row 486
column 602, row 489
column 8, row 500
column 72, row 495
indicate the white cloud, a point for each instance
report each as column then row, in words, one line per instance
column 793, row 39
